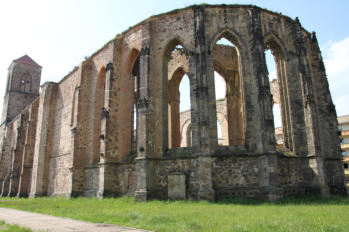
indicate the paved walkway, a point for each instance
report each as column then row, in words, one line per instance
column 41, row 222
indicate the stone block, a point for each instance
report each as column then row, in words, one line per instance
column 176, row 186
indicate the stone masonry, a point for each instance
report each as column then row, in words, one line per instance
column 112, row 126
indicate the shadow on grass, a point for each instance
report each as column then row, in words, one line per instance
column 301, row 200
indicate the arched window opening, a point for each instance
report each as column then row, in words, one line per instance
column 184, row 103
column 134, row 115
column 230, row 131
column 276, row 70
column 178, row 92
column 98, row 115
column 184, row 94
column 178, row 103
column 25, row 84
column 274, row 88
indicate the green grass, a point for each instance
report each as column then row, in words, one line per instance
column 302, row 214
column 12, row 228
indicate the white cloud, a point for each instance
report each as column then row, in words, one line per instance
column 336, row 59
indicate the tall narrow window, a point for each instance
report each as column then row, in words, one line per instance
column 184, row 107
column 230, row 126
column 276, row 69
column 25, row 83
column 178, row 94
column 274, row 87
column 134, row 129
column 134, row 115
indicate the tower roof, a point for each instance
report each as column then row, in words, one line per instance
column 27, row 60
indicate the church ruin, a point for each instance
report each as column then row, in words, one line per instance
column 112, row 126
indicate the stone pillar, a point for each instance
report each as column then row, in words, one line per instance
column 76, row 181
column 28, row 151
column 174, row 124
column 235, row 116
column 106, row 176
column 40, row 170
column 5, row 164
column 265, row 99
column 203, row 108
column 142, row 192
column 16, row 155
column 312, row 147
column 310, row 118
column 268, row 177
column 324, row 126
column 291, row 91
column 23, row 172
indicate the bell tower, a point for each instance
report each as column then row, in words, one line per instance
column 23, row 84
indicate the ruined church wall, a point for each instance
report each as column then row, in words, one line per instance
column 17, row 152
column 127, row 49
column 319, row 97
column 235, row 176
column 61, row 156
column 2, row 138
column 5, row 164
column 81, row 147
column 236, row 22
column 28, row 153
column 297, row 176
column 282, row 34
column 319, row 94
column 87, row 133
column 166, row 31
column 127, row 179
column 163, row 168
column 232, row 176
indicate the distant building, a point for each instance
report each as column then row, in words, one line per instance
column 343, row 126
column 279, row 136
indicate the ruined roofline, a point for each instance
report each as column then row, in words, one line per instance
column 154, row 17
column 208, row 6
column 87, row 59
column 151, row 18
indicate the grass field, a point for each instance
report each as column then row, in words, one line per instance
column 303, row 214
column 11, row 228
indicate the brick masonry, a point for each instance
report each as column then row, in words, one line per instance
column 78, row 136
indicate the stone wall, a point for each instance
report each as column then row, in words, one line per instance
column 164, row 168
column 235, row 176
column 79, row 138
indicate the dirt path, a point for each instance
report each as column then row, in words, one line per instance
column 41, row 222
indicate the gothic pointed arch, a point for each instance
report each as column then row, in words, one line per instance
column 172, row 80
column 227, row 64
column 278, row 50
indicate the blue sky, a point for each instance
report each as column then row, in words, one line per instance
column 59, row 34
